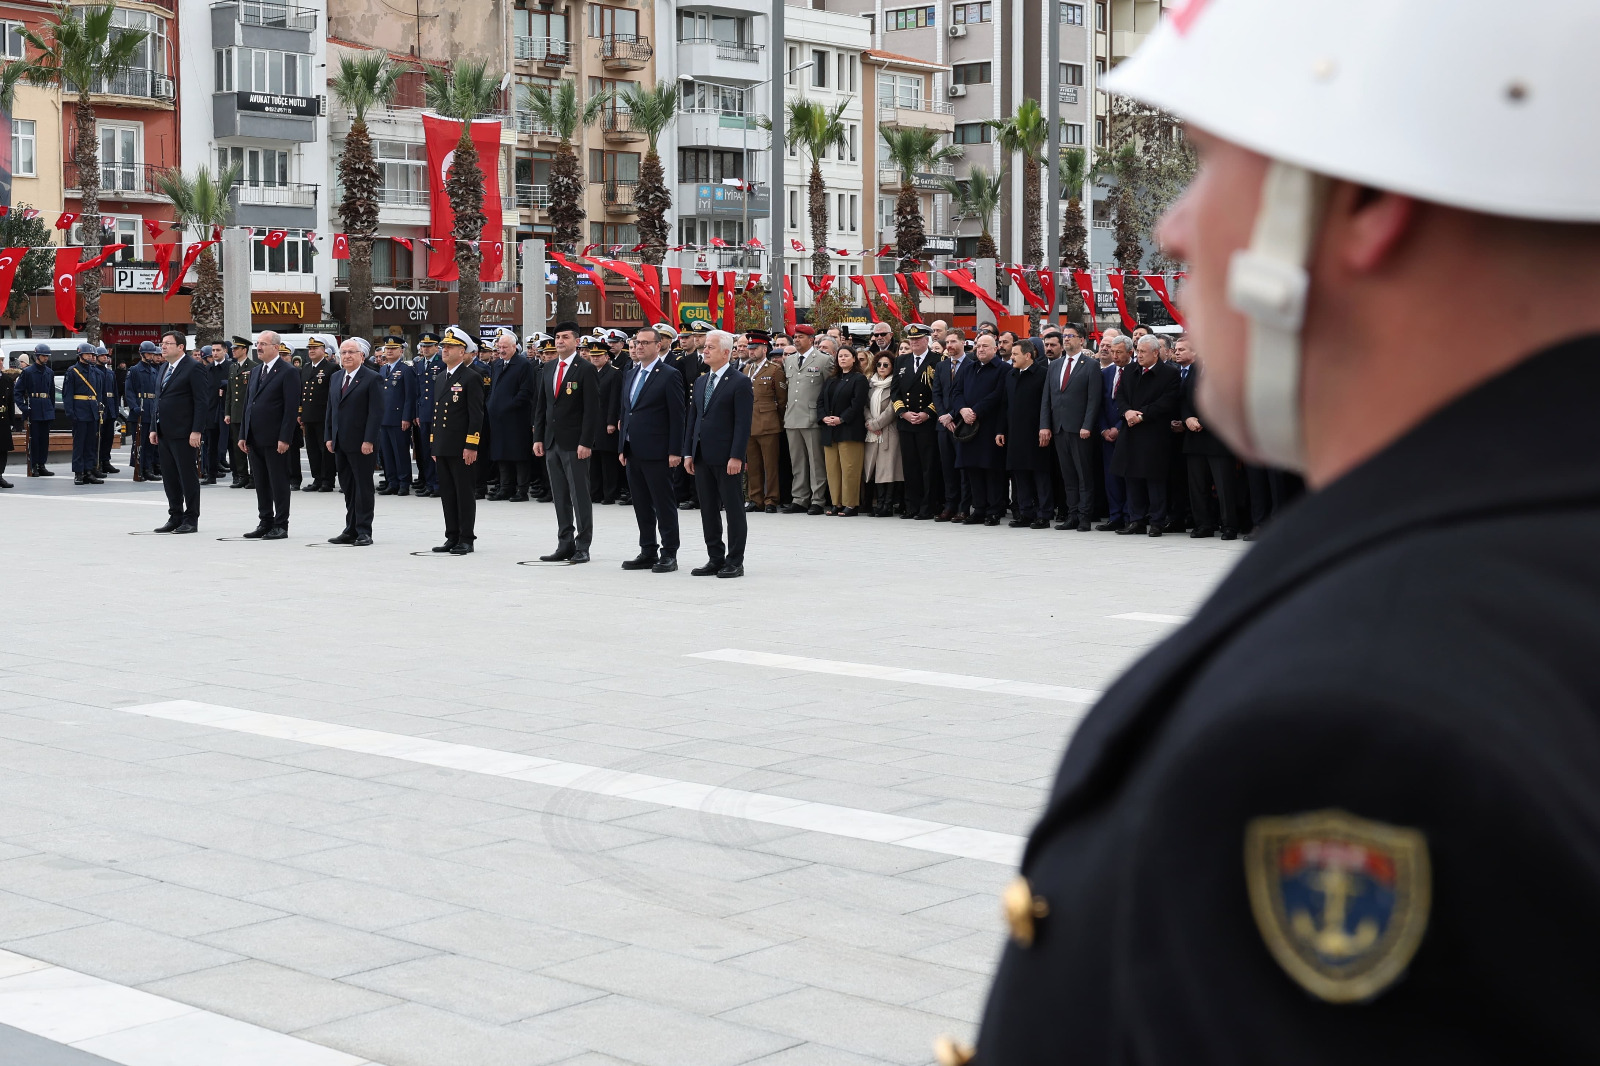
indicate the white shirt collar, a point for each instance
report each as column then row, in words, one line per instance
column 651, row 365
column 270, row 363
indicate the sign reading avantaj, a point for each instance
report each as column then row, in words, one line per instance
column 274, row 104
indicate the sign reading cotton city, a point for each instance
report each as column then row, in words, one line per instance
column 277, row 104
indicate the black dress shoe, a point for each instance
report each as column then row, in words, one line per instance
column 665, row 565
column 171, row 526
column 405, row 490
column 644, row 561
column 1250, row 535
column 313, row 487
column 109, row 469
column 4, row 484
column 95, row 479
column 579, row 556
column 1200, row 534
column 187, row 528
column 238, row 483
column 1229, row 534
column 771, row 508
column 709, row 569
column 387, row 491
column 749, row 507
column 814, row 509
column 423, row 492
column 1111, row 527
column 346, row 537
column 276, row 533
column 795, row 508
column 363, row 541
column 922, row 517
column 464, row 548
column 294, row 486
column 209, row 481
column 1016, row 523
column 448, row 545
column 686, row 505
column 45, row 471
column 992, row 520
column 544, row 497
column 732, row 570
column 1155, row 531
column 383, row 485
column 480, row 495
column 560, row 555
column 1066, row 525
column 1132, row 529
column 80, row 479
column 908, row 516
column 258, row 533
column 498, row 497
column 1038, row 523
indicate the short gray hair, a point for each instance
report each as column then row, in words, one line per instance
column 1119, row 341
column 721, row 338
column 1149, row 340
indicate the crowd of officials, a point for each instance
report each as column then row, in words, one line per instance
column 923, row 422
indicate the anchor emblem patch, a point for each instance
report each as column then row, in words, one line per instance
column 1341, row 902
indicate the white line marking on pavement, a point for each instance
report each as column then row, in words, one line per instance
column 879, row 672
column 1140, row 616
column 137, row 1028
column 86, row 499
column 918, row 833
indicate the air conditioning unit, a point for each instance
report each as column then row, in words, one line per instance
column 958, row 31
column 162, row 88
column 957, row 90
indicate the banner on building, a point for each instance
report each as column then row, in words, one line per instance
column 442, row 136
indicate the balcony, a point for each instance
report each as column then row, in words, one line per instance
column 616, row 126
column 400, row 122
column 924, row 114
column 930, row 180
column 527, row 124
column 716, row 129
column 275, row 16
column 625, row 51
column 705, row 59
column 119, row 181
column 619, row 197
column 545, row 51
column 533, row 196
column 289, row 194
column 146, row 86
column 263, row 117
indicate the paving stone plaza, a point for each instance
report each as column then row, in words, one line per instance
column 288, row 803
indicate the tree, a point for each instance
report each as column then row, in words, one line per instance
column 750, row 309
column 816, row 127
column 1155, row 162
column 19, row 231
column 652, row 111
column 559, row 111
column 362, row 84
column 1122, row 197
column 1074, row 233
column 202, row 202
column 912, row 149
column 464, row 91
column 1025, row 132
column 828, row 309
column 978, row 196
column 82, row 52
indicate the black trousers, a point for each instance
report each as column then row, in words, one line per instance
column 210, row 451
column 457, row 485
column 1035, row 492
column 322, row 462
column 1077, row 475
column 1204, row 472
column 719, row 489
column 85, row 446
column 989, row 489
column 422, row 433
column 1147, row 499
column 958, row 496
column 606, row 476
column 355, row 481
column 919, row 460
column 180, row 478
column 239, row 461
column 515, row 475
column 655, row 503
column 38, row 442
column 270, row 471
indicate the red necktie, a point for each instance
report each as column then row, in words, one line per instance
column 1116, row 379
column 561, row 371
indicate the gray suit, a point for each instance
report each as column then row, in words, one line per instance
column 806, row 375
column 1067, row 411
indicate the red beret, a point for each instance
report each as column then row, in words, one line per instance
column 806, row 328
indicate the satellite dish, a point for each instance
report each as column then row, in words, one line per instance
column 505, row 82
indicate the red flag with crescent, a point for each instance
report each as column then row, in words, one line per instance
column 10, row 260
column 275, row 237
column 341, row 246
column 788, row 306
column 66, row 220
column 674, row 294
column 494, row 254
column 163, row 258
column 66, row 286
column 189, row 256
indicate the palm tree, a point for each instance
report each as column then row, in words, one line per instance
column 463, row 92
column 10, row 75
column 202, row 202
column 1074, row 233
column 1025, row 133
column 652, row 111
column 362, row 84
column 559, row 112
column 817, row 128
column 81, row 53
column 913, row 150
column 978, row 196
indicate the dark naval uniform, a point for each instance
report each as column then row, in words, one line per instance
column 1350, row 813
column 912, row 391
column 399, row 408
column 427, row 371
column 36, row 396
column 80, row 401
column 314, row 379
column 458, row 427
column 110, row 403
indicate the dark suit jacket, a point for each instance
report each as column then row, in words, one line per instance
column 184, row 405
column 570, row 418
column 944, row 384
column 843, row 396
column 609, row 381
column 1110, row 417
column 511, row 408
column 1065, row 412
column 722, row 432
column 652, row 425
column 1205, row 442
column 1145, row 450
column 355, row 417
column 272, row 405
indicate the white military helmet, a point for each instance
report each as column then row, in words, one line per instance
column 1400, row 95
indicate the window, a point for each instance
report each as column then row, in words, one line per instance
column 854, row 207
column 853, row 64
column 701, row 230
column 541, row 26
column 971, row 14
column 710, row 98
column 1100, row 16
column 853, row 136
column 1072, row 74
column 609, row 234
column 293, row 256
column 607, row 167
column 257, row 166
column 23, row 143
column 838, row 214
column 1100, row 132
column 119, row 229
column 794, row 61
column 1072, row 133
column 794, row 209
column 152, row 52
column 1099, row 71
column 844, row 73
column 261, row 70
column 970, row 74
column 902, row 90
column 15, row 46
column 704, row 26
column 119, row 158
column 708, row 164
column 908, row 18
column 405, row 172
column 1071, row 14
column 819, row 69
column 224, row 70
column 970, row 133
column 613, row 22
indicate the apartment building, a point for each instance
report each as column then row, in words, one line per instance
column 254, row 98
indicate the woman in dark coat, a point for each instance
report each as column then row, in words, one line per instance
column 509, row 414
column 842, row 410
column 8, row 399
column 1028, row 461
column 1149, row 390
column 978, row 396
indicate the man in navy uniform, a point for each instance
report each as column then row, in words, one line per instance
column 457, row 440
column 912, row 393
column 110, row 406
column 427, row 365
column 36, row 396
column 81, row 389
column 651, row 435
column 315, row 376
column 352, row 431
column 139, row 388
column 566, row 421
column 399, row 408
column 716, row 442
column 182, row 410
column 270, row 411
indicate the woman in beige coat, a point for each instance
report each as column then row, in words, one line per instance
column 881, row 465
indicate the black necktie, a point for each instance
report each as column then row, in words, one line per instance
column 346, row 388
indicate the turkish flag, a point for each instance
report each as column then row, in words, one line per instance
column 275, row 237
column 820, row 283
column 796, row 245
column 105, row 253
column 442, row 136
column 152, row 226
column 66, row 285
column 910, row 290
column 860, row 282
column 66, row 220
column 652, row 284
column 494, row 254
column 404, row 242
column 1085, row 283
column 10, row 259
column 718, row 242
column 341, row 246
column 755, row 242
column 887, row 249
column 163, row 258
column 730, row 281
column 788, row 306
column 189, row 257
column 674, row 294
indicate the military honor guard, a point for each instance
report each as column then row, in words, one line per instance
column 81, row 391
column 770, row 387
column 243, row 361
column 399, row 408
column 139, row 392
column 110, row 408
column 352, row 433
column 316, row 376
column 651, row 435
column 716, row 441
column 457, row 436
column 428, row 365
column 270, row 414
column 36, row 389
column 566, row 421
column 184, row 397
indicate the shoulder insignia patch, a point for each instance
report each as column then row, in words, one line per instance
column 1341, row 902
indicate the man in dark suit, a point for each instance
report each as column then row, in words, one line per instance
column 605, row 483
column 651, row 431
column 182, row 411
column 566, row 419
column 270, row 412
column 510, row 414
column 457, row 436
column 957, row 490
column 715, row 443
column 1208, row 459
column 1073, row 393
column 1120, row 351
column 354, row 430
column 912, row 393
column 1147, row 400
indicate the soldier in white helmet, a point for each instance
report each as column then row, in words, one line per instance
column 1349, row 813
